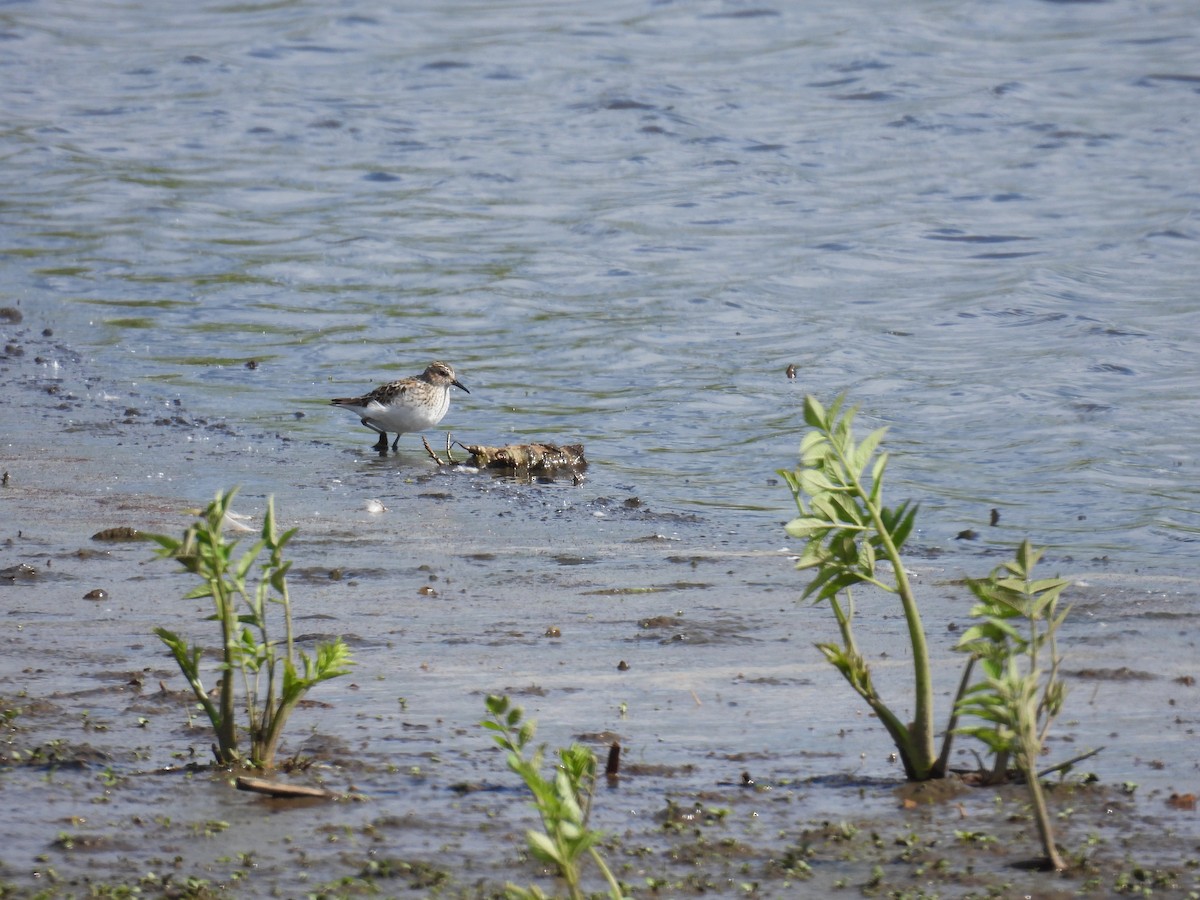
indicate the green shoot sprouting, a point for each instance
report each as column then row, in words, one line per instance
column 564, row 801
column 272, row 682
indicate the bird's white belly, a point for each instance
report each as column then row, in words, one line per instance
column 402, row 418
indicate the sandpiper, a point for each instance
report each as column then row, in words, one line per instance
column 410, row 404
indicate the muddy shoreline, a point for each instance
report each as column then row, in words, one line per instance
column 469, row 585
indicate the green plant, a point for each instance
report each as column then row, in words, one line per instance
column 1017, row 699
column 272, row 681
column 848, row 532
column 563, row 801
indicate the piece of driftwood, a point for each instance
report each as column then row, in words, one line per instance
column 280, row 789
column 533, row 457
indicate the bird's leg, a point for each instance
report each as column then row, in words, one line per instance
column 394, row 443
column 381, row 444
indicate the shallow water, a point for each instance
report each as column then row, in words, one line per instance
column 621, row 225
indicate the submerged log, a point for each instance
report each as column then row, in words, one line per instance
column 534, row 457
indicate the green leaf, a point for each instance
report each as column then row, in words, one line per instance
column 805, row 527
column 865, row 450
column 247, row 560
column 899, row 521
column 814, row 482
column 814, row 412
column 875, row 497
column 543, row 848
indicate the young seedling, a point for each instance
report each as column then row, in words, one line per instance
column 563, row 801
column 1021, row 693
column 272, row 681
column 848, row 532
column 851, row 539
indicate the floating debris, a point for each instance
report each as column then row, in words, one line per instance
column 236, row 522
column 375, row 506
column 280, row 789
column 532, row 457
column 119, row 533
column 231, row 520
column 1182, row 801
column 19, row 572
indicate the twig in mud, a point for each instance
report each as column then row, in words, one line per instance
column 1066, row 765
column 612, row 769
column 448, row 461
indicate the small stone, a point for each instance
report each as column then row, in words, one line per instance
column 97, row 594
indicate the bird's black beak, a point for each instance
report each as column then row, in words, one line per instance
column 458, row 384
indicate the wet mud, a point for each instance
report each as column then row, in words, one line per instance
column 748, row 768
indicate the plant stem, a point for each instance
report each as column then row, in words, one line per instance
column 227, row 727
column 1042, row 816
column 919, row 761
column 614, row 887
column 943, row 761
column 922, row 728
